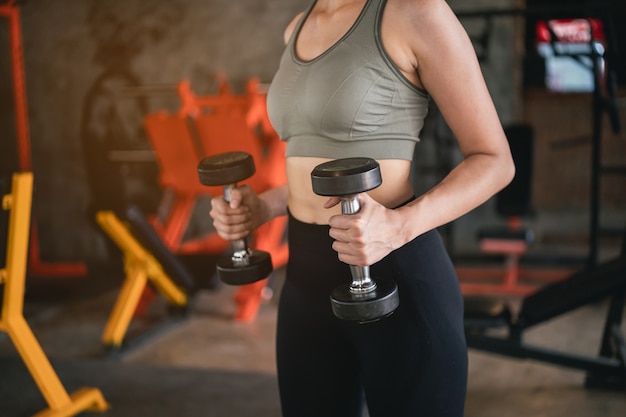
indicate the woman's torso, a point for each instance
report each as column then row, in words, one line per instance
column 307, row 207
column 320, row 32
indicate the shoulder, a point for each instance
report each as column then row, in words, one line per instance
column 422, row 16
column 416, row 31
column 291, row 27
column 427, row 27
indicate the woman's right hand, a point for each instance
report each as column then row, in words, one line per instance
column 238, row 218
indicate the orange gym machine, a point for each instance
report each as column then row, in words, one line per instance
column 13, row 322
column 209, row 125
column 36, row 266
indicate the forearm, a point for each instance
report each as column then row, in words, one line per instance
column 274, row 203
column 466, row 187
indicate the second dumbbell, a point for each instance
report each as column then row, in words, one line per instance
column 244, row 265
column 364, row 300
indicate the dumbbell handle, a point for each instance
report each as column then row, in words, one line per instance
column 240, row 246
column 362, row 283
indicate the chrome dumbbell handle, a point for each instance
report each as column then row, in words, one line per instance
column 244, row 265
column 362, row 282
column 363, row 300
column 241, row 250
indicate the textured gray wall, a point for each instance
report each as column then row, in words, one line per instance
column 80, row 55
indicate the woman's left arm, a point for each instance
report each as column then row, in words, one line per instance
column 448, row 68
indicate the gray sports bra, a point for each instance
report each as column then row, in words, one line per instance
column 349, row 101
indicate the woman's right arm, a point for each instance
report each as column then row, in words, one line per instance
column 247, row 210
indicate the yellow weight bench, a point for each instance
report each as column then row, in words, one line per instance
column 146, row 260
column 12, row 320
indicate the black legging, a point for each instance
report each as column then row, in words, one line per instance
column 413, row 363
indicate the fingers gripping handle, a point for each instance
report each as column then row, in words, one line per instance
column 363, row 300
column 346, row 178
column 244, row 265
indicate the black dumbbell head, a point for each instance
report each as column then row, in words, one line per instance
column 366, row 308
column 226, row 168
column 346, row 176
column 259, row 267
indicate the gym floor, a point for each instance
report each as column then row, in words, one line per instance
column 205, row 364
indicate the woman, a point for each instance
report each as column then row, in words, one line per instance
column 355, row 80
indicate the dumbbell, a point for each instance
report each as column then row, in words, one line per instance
column 364, row 300
column 243, row 266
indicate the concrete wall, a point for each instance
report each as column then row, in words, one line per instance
column 94, row 69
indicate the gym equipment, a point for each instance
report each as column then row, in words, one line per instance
column 363, row 300
column 177, row 160
column 603, row 65
column 597, row 281
column 244, row 265
column 199, row 127
column 607, row 280
column 511, row 241
column 36, row 266
column 146, row 260
column 12, row 320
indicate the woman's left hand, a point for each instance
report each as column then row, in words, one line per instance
column 368, row 236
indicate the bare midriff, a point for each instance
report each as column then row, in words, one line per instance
column 308, row 207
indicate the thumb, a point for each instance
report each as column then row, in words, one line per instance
column 236, row 198
column 331, row 202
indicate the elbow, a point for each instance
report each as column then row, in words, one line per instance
column 507, row 171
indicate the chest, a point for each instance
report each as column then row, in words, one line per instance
column 323, row 28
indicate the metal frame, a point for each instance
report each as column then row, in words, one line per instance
column 607, row 280
column 12, row 319
column 36, row 266
column 603, row 95
column 141, row 268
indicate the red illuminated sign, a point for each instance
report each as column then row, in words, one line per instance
column 570, row 30
column 559, row 40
